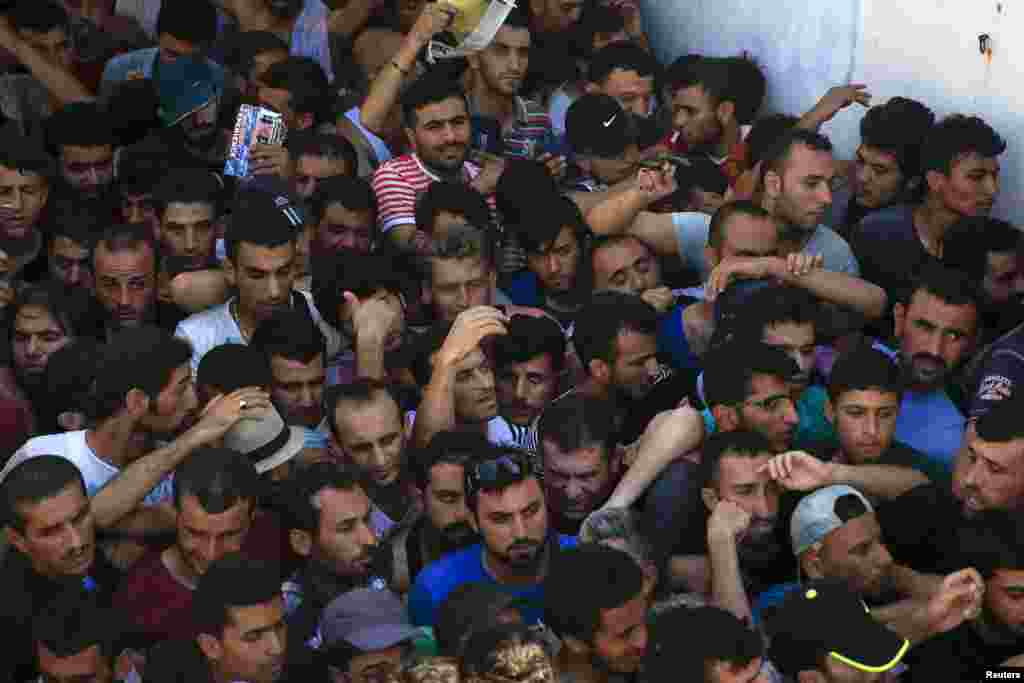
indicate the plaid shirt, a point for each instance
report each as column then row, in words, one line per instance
column 529, row 135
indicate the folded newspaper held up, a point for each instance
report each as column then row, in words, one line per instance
column 254, row 125
column 473, row 28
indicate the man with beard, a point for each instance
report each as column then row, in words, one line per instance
column 335, row 528
column 366, row 430
column 71, row 233
column 991, row 252
column 436, row 119
column 53, row 537
column 603, row 139
column 25, row 174
column 582, row 463
column 295, row 351
column 553, row 234
column 344, row 213
column 81, row 139
column 960, row 162
column 319, row 157
column 998, row 632
column 504, row 123
column 796, row 177
column 445, row 526
column 714, row 101
column 596, row 603
column 362, row 297
column 887, row 167
column 187, row 210
column 302, row 25
column 925, row 527
column 260, row 263
column 529, row 364
column 298, row 89
column 190, row 109
column 507, row 509
column 143, row 392
column 125, row 268
column 216, row 493
column 836, row 536
column 937, row 328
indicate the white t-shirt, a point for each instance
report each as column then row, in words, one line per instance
column 96, row 472
column 216, row 326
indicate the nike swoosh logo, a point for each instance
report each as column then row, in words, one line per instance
column 609, row 121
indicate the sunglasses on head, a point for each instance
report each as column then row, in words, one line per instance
column 497, row 470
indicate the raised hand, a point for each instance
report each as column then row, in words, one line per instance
column 470, row 327
column 799, row 471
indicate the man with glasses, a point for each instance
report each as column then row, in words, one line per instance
column 507, row 508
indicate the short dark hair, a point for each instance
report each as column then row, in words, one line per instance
column 969, row 241
column 361, row 390
column 457, row 198
column 33, row 481
column 128, row 237
column 69, row 308
column 955, row 137
column 432, row 88
column 470, row 241
column 219, row 478
column 79, row 124
column 355, row 194
column 362, row 274
column 187, row 186
column 1002, row 423
column 730, row 369
column 584, row 581
column 776, row 305
column 268, row 234
column 331, row 147
column 242, row 49
column 994, row 545
column 193, row 21
column 69, row 376
column 39, row 16
column 744, row 207
column 75, row 622
column 604, row 318
column 725, row 79
column 141, row 166
column 452, row 448
column 949, row 286
column 777, row 155
column 24, row 154
column 230, row 367
column 721, row 637
column 521, row 178
column 291, row 335
column 305, row 81
column 899, row 127
column 577, row 421
column 724, row 444
column 504, row 478
column 545, row 221
column 302, row 509
column 68, row 218
column 864, row 369
column 624, row 56
column 469, row 609
column 141, row 358
column 230, row 582
column 529, row 337
column 765, row 131
column 425, row 346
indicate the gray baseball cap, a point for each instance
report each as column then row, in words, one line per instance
column 815, row 516
column 368, row 619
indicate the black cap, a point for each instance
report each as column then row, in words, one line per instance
column 596, row 125
column 267, row 200
column 825, row 618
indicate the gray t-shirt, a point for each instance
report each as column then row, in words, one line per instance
column 692, row 235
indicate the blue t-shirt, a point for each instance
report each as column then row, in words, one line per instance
column 437, row 580
column 672, row 341
column 932, row 424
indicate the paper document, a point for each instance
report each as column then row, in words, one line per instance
column 473, row 28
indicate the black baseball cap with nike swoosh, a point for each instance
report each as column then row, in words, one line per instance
column 596, row 125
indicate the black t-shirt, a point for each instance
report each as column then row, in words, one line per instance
column 925, row 529
column 960, row 655
column 27, row 593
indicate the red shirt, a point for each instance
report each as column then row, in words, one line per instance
column 160, row 607
column 734, row 165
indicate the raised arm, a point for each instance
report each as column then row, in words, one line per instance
column 61, row 83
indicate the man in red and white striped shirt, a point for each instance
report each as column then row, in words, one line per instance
column 437, row 123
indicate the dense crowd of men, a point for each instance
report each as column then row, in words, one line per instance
column 550, row 362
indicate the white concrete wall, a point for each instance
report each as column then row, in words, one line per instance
column 925, row 49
